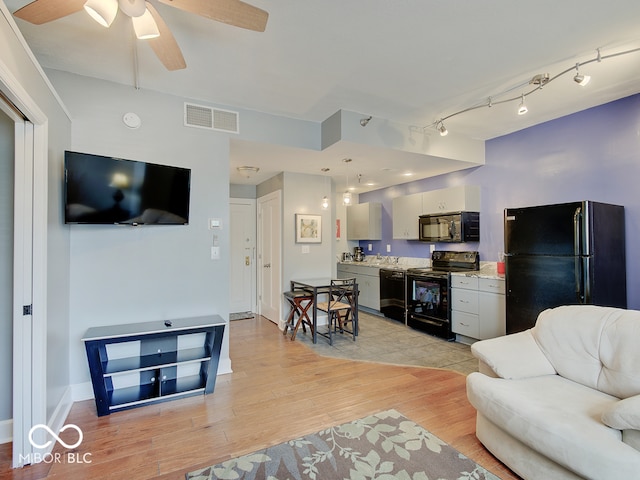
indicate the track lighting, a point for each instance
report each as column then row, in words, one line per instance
column 102, row 11
column 325, row 202
column 442, row 129
column 346, row 198
column 580, row 79
column 365, row 121
column 522, row 109
column 538, row 81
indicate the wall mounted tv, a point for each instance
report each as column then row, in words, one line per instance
column 107, row 190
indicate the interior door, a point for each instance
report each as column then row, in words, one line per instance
column 29, row 303
column 269, row 255
column 243, row 255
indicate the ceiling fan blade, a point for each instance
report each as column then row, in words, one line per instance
column 232, row 12
column 165, row 46
column 43, row 11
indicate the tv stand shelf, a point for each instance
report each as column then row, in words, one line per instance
column 143, row 363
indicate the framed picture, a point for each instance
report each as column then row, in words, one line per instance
column 308, row 228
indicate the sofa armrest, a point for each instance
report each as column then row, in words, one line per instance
column 513, row 356
column 624, row 414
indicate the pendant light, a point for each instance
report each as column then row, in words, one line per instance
column 346, row 196
column 325, row 199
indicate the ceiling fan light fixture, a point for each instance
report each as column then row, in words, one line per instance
column 102, row 11
column 145, row 26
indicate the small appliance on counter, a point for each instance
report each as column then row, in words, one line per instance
column 358, row 254
column 347, row 257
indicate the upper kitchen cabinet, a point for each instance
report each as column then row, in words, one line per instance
column 364, row 221
column 405, row 213
column 453, row 199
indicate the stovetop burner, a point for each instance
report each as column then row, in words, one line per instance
column 444, row 262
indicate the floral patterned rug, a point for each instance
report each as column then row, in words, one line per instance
column 384, row 446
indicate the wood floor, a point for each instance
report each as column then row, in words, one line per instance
column 279, row 390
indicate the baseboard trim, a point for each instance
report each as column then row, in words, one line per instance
column 61, row 412
column 6, row 431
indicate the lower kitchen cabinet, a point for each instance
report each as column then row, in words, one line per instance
column 368, row 280
column 477, row 307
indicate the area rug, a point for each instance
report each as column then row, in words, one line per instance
column 384, row 446
column 240, row 315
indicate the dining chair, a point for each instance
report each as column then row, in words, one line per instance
column 340, row 308
column 300, row 301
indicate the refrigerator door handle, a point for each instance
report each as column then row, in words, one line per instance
column 577, row 217
column 586, row 297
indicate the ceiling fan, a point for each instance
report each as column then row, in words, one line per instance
column 147, row 22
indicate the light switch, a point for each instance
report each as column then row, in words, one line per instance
column 388, row 248
column 370, row 247
column 214, row 223
column 215, row 253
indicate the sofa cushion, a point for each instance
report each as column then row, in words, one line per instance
column 594, row 346
column 559, row 418
column 502, row 355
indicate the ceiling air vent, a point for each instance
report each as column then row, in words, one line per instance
column 210, row 118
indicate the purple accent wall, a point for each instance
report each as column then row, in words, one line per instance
column 590, row 155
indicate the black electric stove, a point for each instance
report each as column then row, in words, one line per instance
column 428, row 290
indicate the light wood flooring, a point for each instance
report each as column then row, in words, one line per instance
column 278, row 390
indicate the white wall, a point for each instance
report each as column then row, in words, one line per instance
column 137, row 274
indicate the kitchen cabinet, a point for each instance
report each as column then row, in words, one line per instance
column 453, row 199
column 368, row 280
column 364, row 221
column 477, row 307
column 138, row 364
column 405, row 212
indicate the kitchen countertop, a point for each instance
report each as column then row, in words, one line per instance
column 487, row 270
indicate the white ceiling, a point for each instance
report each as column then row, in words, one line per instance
column 409, row 61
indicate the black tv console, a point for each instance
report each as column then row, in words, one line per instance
column 142, row 363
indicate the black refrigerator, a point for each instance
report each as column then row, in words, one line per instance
column 563, row 254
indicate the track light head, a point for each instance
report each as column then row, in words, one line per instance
column 522, row 109
column 442, row 129
column 580, row 79
column 365, row 121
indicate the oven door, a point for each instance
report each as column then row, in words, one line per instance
column 428, row 304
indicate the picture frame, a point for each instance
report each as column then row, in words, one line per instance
column 308, row 228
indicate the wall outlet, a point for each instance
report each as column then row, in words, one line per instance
column 305, row 248
column 432, row 248
column 370, row 247
column 388, row 248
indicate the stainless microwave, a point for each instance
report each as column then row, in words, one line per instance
column 450, row 227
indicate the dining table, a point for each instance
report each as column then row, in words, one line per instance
column 320, row 286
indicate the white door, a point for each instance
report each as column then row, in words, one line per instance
column 269, row 255
column 29, row 264
column 243, row 255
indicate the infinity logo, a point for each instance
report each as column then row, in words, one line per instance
column 58, row 439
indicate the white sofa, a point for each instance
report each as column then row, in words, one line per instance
column 562, row 400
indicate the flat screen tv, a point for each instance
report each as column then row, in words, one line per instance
column 107, row 190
